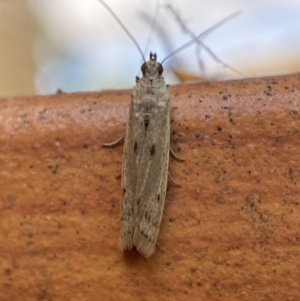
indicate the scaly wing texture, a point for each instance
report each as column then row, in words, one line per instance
column 145, row 166
column 152, row 174
column 129, row 176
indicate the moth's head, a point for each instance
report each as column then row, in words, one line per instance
column 152, row 68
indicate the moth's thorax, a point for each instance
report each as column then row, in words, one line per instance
column 150, row 100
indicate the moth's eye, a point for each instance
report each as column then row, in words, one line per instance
column 160, row 69
column 143, row 68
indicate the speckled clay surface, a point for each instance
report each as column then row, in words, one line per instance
column 230, row 232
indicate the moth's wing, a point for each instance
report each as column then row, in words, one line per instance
column 128, row 184
column 152, row 177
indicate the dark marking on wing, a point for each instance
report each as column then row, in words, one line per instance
column 127, row 215
column 146, row 123
column 145, row 235
column 135, row 147
column 158, row 198
column 152, row 150
column 124, row 191
column 147, row 217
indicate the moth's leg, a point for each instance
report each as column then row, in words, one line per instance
column 114, row 143
column 174, row 155
column 170, row 177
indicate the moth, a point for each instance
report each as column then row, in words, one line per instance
column 145, row 160
column 146, row 154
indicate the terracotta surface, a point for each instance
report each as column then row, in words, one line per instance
column 230, row 232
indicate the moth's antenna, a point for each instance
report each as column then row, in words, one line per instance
column 125, row 29
column 203, row 34
column 153, row 25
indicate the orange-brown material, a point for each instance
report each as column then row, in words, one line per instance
column 230, row 232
